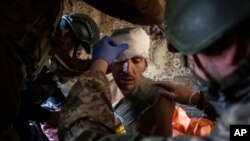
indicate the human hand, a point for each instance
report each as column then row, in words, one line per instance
column 157, row 32
column 106, row 49
column 178, row 93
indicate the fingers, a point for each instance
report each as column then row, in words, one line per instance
column 123, row 47
column 156, row 32
column 111, row 42
column 106, row 38
column 168, row 95
column 166, row 85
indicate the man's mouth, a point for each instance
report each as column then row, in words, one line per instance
column 127, row 80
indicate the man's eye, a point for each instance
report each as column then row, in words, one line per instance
column 137, row 59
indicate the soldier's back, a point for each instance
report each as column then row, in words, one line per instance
column 26, row 28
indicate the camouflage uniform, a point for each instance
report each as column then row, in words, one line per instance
column 26, row 28
column 88, row 115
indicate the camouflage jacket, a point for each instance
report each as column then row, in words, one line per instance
column 26, row 29
column 88, row 116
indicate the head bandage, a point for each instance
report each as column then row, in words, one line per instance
column 138, row 42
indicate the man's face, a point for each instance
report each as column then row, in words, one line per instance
column 209, row 68
column 218, row 60
column 68, row 41
column 128, row 73
column 66, row 56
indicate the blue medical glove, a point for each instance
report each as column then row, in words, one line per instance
column 106, row 49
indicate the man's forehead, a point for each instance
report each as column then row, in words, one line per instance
column 138, row 42
column 131, row 58
column 138, row 57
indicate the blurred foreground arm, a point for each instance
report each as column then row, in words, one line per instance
column 143, row 12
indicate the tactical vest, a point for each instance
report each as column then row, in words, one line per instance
column 30, row 25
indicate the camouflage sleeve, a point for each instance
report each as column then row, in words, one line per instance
column 87, row 113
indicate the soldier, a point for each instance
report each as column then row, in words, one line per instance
column 215, row 37
column 72, row 45
column 26, row 31
column 78, row 32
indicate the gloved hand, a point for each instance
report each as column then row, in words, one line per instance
column 106, row 49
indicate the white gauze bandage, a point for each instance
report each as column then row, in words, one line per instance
column 138, row 44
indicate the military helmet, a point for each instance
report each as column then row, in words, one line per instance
column 193, row 25
column 83, row 27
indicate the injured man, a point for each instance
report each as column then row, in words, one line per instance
column 137, row 102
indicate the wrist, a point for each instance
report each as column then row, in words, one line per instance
column 196, row 99
column 192, row 99
column 99, row 65
column 201, row 102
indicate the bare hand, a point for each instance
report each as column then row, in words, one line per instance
column 157, row 32
column 178, row 93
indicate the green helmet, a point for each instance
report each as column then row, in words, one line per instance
column 193, row 25
column 83, row 27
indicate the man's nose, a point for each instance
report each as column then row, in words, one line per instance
column 127, row 66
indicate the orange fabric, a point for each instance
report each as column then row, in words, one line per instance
column 182, row 124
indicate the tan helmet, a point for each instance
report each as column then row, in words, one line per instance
column 83, row 27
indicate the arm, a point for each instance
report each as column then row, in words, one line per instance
column 164, row 110
column 87, row 108
column 118, row 9
column 206, row 106
column 87, row 113
column 148, row 12
column 152, row 11
column 187, row 96
column 99, row 65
